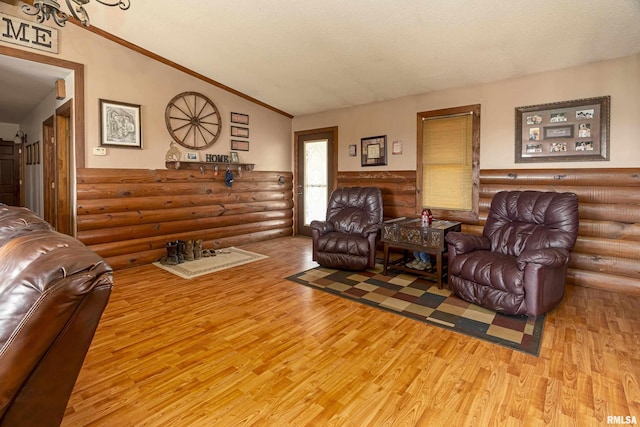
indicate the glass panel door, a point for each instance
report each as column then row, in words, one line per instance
column 316, row 185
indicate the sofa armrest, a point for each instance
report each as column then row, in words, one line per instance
column 464, row 243
column 322, row 227
column 550, row 257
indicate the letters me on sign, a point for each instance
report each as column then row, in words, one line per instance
column 28, row 34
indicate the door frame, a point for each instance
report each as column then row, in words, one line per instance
column 296, row 166
column 77, row 158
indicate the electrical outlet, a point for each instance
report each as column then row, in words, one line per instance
column 99, row 151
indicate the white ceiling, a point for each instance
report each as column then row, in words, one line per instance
column 24, row 85
column 304, row 56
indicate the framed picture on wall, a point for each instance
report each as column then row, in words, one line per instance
column 239, row 118
column 120, row 124
column 239, row 145
column 374, row 150
column 239, row 132
column 563, row 131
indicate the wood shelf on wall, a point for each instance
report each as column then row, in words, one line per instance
column 202, row 166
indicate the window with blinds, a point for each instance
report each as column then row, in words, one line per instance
column 448, row 140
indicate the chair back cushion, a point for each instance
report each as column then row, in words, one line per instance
column 526, row 220
column 351, row 209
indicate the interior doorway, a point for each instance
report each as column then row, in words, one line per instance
column 316, row 163
column 10, row 173
column 69, row 116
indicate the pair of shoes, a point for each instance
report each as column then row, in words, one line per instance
column 208, row 252
column 421, row 265
column 412, row 264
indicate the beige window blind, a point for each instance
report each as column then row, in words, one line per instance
column 447, row 162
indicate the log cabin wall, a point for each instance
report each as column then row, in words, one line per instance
column 608, row 246
column 128, row 215
column 398, row 189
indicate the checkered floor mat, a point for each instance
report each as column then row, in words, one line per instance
column 420, row 299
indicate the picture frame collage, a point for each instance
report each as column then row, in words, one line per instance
column 239, row 132
column 575, row 130
column 32, row 153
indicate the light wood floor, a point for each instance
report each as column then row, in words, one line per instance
column 246, row 347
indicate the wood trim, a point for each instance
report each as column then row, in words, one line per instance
column 64, row 169
column 142, row 51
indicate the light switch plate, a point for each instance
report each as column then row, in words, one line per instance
column 99, row 151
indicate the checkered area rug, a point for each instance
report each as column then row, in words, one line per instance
column 420, row 299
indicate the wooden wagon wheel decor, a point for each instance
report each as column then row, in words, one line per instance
column 193, row 120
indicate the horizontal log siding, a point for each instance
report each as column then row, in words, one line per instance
column 608, row 245
column 128, row 215
column 398, row 189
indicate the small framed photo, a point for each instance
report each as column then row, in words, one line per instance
column 233, row 157
column 242, row 119
column 191, row 156
column 353, row 150
column 239, row 132
column 396, row 147
column 239, row 145
column 120, row 124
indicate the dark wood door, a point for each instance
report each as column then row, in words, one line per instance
column 9, row 173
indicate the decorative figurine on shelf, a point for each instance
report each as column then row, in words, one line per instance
column 173, row 155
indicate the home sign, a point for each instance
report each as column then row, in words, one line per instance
column 28, row 34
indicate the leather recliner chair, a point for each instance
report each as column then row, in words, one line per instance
column 518, row 266
column 53, row 291
column 348, row 238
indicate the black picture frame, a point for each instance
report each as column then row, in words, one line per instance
column 566, row 131
column 240, row 132
column 242, row 119
column 120, row 124
column 374, row 150
column 239, row 145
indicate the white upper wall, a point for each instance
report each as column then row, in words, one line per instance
column 619, row 78
column 116, row 73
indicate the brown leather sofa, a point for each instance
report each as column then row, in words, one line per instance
column 518, row 265
column 53, row 290
column 347, row 239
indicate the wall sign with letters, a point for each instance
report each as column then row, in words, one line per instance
column 28, row 34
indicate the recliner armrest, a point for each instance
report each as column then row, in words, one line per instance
column 369, row 229
column 550, row 257
column 465, row 243
column 322, row 227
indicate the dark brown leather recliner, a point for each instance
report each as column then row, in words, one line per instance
column 518, row 265
column 53, row 290
column 347, row 239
